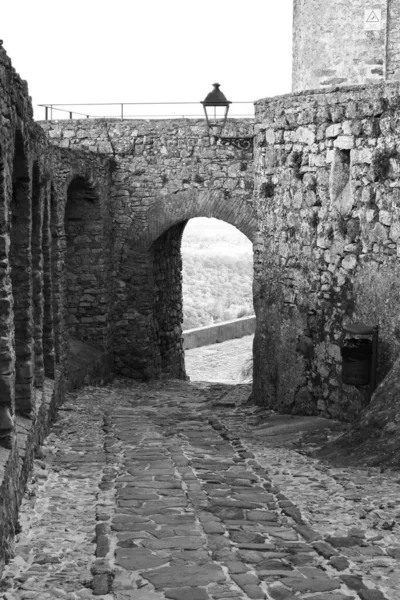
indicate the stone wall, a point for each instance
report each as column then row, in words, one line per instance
column 34, row 182
column 82, row 289
column 393, row 42
column 333, row 45
column 27, row 395
column 163, row 173
column 327, row 193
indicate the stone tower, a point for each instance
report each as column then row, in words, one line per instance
column 345, row 42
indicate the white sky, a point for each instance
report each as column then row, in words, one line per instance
column 148, row 50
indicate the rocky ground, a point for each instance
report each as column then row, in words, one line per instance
column 183, row 490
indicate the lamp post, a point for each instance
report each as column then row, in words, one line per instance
column 216, row 108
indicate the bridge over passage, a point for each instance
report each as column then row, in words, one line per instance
column 162, row 173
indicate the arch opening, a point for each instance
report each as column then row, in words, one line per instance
column 148, row 310
column 211, row 257
column 217, row 301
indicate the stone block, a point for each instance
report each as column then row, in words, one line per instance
column 304, row 135
column 186, row 593
column 333, row 131
column 394, row 233
column 378, row 233
column 385, row 217
column 184, row 576
column 344, row 142
column 270, row 136
column 349, row 262
column 361, row 156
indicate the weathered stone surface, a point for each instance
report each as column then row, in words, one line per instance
column 325, row 549
column 187, row 543
column 245, row 579
column 253, row 591
column 186, row 593
column 138, row 558
column 339, row 562
column 348, row 53
column 307, row 533
column 188, row 576
column 236, row 567
column 281, row 593
column 213, row 527
column 315, row 584
column 261, row 516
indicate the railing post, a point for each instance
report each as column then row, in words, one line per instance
column 70, row 115
column 46, row 113
column 122, row 111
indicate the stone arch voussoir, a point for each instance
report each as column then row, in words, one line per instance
column 167, row 212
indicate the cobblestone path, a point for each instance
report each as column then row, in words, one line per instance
column 181, row 490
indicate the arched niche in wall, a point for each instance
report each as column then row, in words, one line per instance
column 85, row 281
column 37, row 275
column 6, row 355
column 21, row 278
column 47, row 330
column 48, row 320
column 55, row 308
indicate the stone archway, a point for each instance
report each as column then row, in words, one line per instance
column 234, row 209
column 148, row 341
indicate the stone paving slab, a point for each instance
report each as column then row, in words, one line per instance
column 155, row 491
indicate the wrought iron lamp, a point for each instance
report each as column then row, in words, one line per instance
column 216, row 108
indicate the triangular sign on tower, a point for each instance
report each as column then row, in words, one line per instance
column 373, row 17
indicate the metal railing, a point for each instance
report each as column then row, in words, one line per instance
column 120, row 110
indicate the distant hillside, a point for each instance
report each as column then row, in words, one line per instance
column 217, row 273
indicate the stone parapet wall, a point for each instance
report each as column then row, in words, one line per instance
column 327, row 197
column 333, row 47
column 219, row 332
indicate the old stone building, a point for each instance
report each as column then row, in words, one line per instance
column 92, row 214
column 327, row 199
